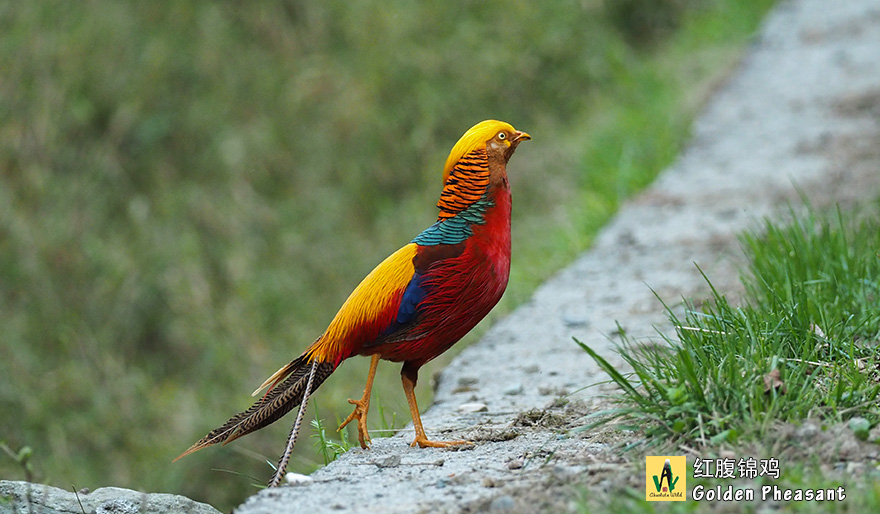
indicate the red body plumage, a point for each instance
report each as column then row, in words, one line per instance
column 463, row 288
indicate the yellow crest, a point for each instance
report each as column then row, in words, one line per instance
column 474, row 138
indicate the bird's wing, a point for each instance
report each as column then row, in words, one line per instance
column 408, row 324
column 384, row 307
column 387, row 297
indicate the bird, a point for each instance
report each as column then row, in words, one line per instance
column 415, row 304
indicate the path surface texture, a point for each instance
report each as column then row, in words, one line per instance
column 799, row 116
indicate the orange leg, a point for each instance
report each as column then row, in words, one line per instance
column 409, row 378
column 362, row 406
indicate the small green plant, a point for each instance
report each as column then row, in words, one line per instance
column 389, row 427
column 327, row 447
column 23, row 458
column 78, row 501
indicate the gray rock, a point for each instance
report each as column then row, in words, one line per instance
column 25, row 497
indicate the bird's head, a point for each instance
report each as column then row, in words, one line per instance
column 499, row 139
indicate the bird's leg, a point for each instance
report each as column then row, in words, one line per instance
column 409, row 377
column 362, row 406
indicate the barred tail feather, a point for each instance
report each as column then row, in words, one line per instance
column 277, row 402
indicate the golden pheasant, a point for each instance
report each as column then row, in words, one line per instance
column 416, row 303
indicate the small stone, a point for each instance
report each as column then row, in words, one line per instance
column 849, row 449
column 532, row 368
column 563, row 473
column 854, row 467
column 514, row 390
column 515, row 464
column 860, row 427
column 297, row 479
column 807, row 431
column 391, row 461
column 502, row 503
column 473, row 407
column 488, row 482
column 575, row 319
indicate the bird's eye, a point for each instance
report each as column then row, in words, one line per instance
column 502, row 135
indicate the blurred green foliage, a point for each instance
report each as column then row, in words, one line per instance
column 189, row 190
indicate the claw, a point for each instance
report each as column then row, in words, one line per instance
column 359, row 413
column 362, row 406
column 423, row 442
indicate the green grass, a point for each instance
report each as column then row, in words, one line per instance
column 804, row 343
column 801, row 345
column 328, row 447
column 189, row 190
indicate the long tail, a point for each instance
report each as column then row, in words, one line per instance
column 278, row 401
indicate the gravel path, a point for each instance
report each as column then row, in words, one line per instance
column 801, row 113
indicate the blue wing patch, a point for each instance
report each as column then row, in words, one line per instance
column 412, row 297
column 409, row 306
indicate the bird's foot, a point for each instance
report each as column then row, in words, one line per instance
column 359, row 413
column 423, row 442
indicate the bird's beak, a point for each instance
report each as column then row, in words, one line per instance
column 520, row 136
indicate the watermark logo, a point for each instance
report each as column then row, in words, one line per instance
column 665, row 478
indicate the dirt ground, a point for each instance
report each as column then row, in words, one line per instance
column 801, row 116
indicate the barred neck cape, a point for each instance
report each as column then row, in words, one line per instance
column 466, row 183
column 465, row 197
column 463, row 202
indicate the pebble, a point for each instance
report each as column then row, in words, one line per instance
column 575, row 319
column 502, row 503
column 861, row 427
column 514, row 390
column 473, row 407
column 563, row 473
column 390, row 461
column 807, row 431
column 297, row 479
